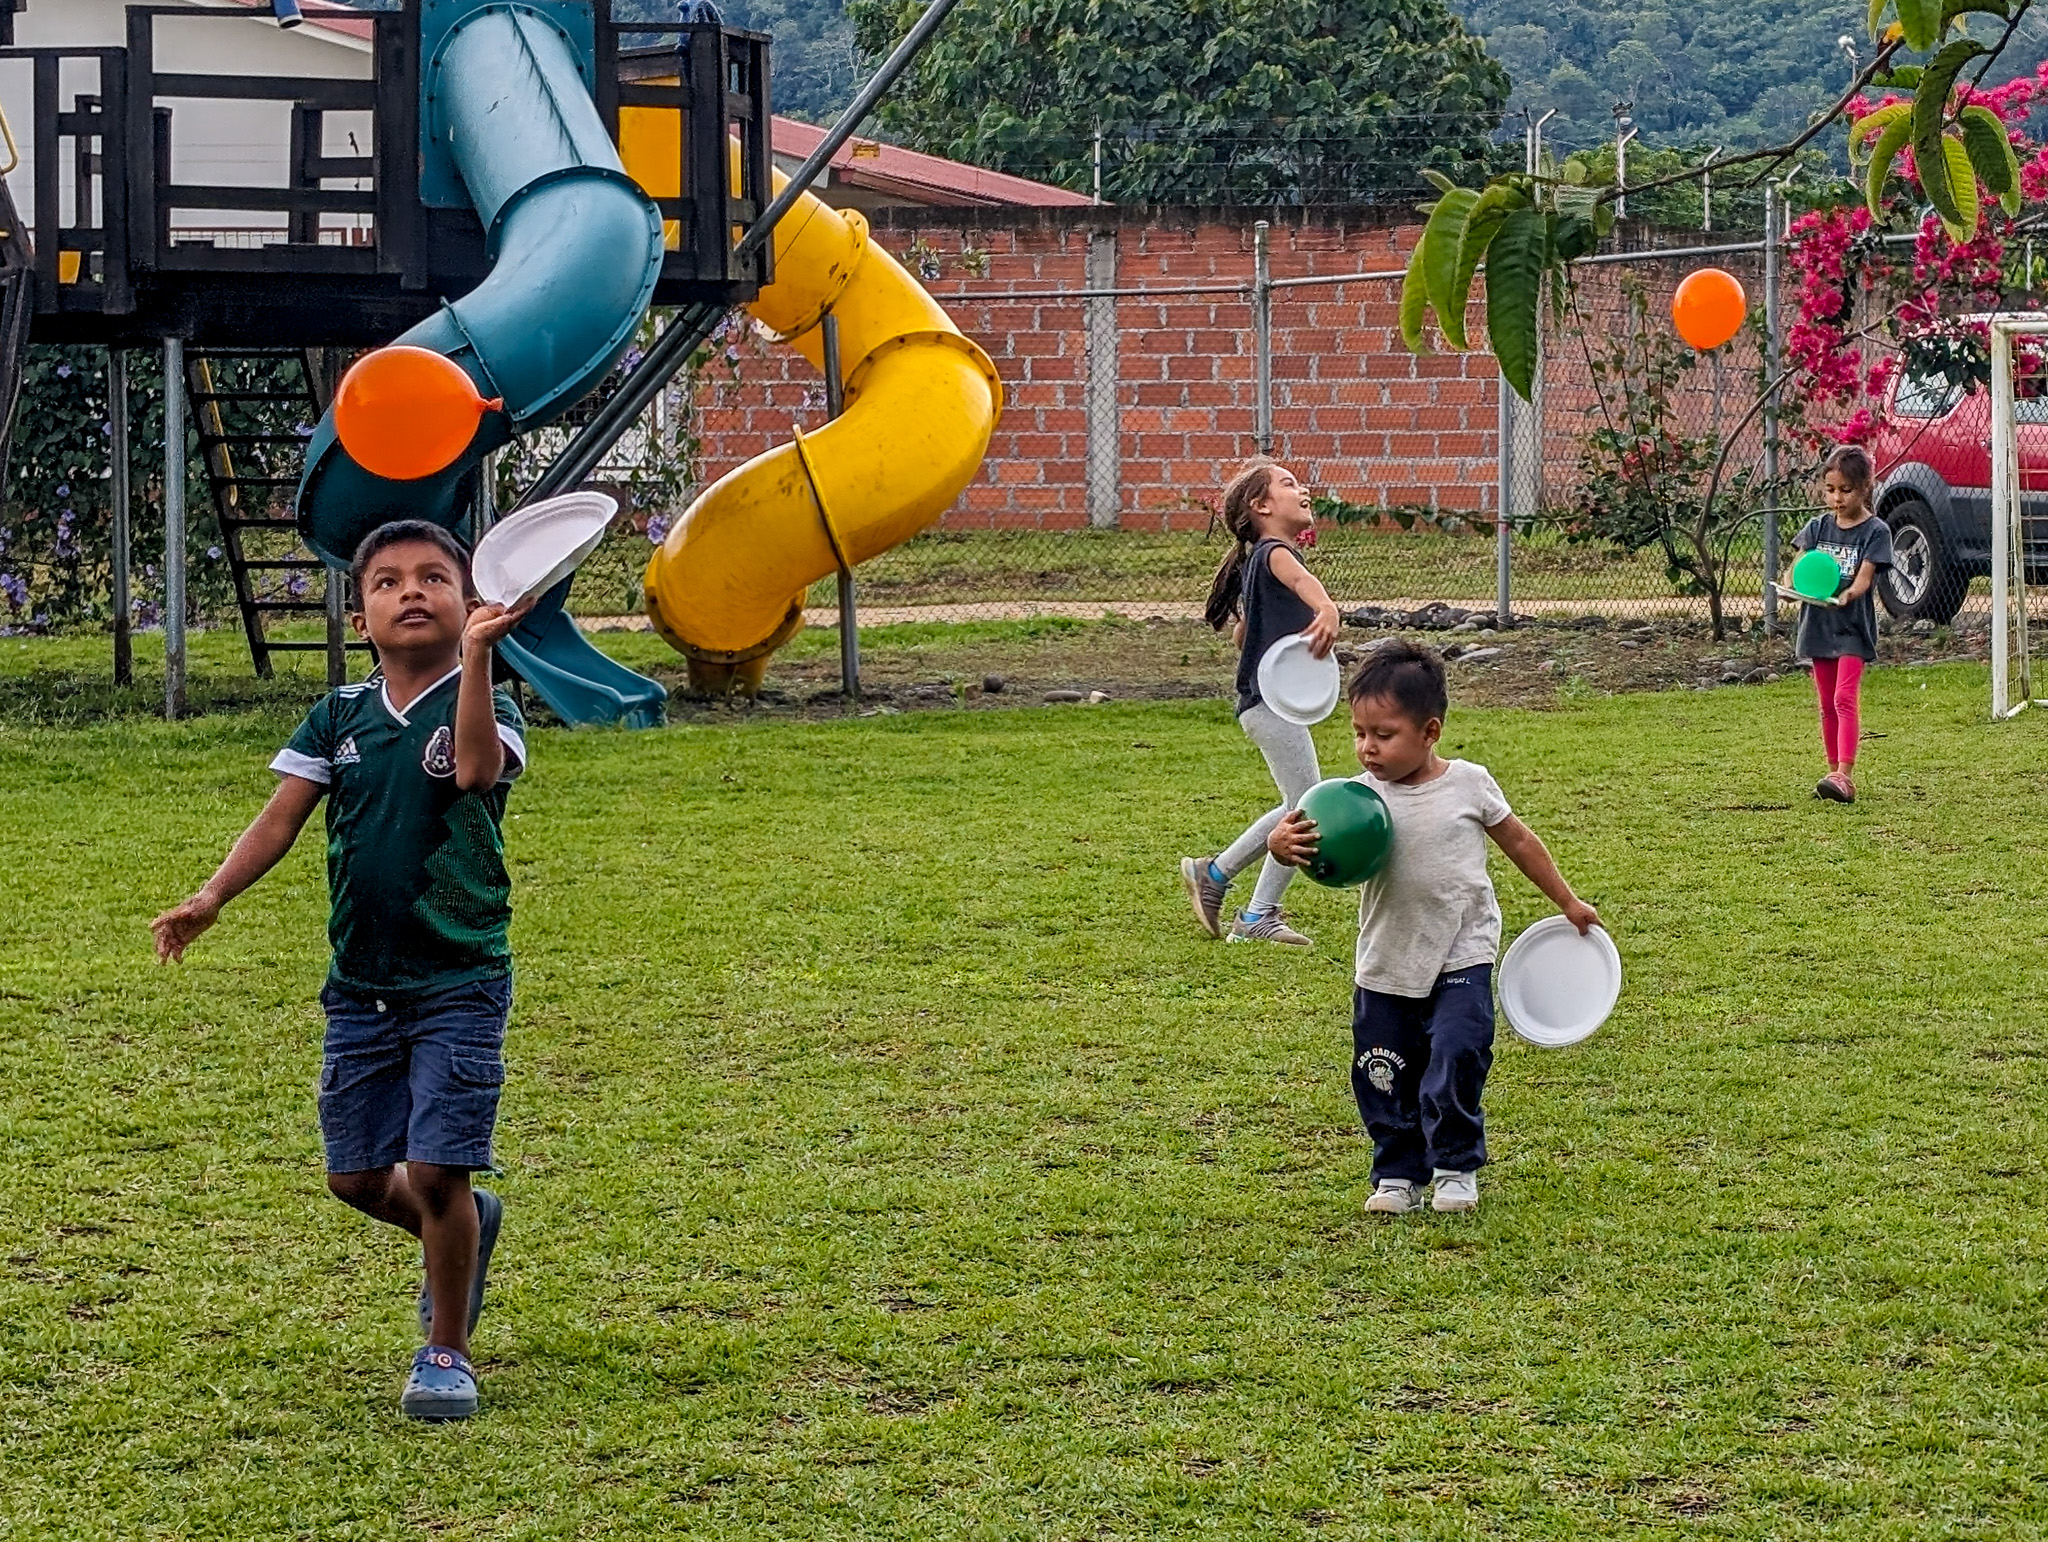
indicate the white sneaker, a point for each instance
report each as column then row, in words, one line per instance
column 1394, row 1196
column 1270, row 927
column 1455, row 1192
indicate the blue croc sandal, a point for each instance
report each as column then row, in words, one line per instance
column 442, row 1386
column 490, row 1215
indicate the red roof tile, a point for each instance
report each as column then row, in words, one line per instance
column 921, row 178
column 326, row 19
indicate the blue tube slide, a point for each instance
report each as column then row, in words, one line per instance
column 576, row 249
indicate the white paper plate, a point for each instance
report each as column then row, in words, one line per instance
column 1557, row 987
column 532, row 550
column 1296, row 684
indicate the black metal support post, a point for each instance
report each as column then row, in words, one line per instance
column 849, row 619
column 117, row 424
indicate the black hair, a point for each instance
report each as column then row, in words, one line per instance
column 398, row 532
column 1851, row 462
column 1245, row 490
column 1408, row 675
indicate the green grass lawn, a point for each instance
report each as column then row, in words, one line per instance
column 887, row 1157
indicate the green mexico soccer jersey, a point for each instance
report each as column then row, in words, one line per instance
column 415, row 865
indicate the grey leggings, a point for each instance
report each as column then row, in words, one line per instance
column 1291, row 756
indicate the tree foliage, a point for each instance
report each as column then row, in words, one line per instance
column 1961, row 151
column 1198, row 101
column 813, row 66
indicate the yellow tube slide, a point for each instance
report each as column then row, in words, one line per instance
column 726, row 588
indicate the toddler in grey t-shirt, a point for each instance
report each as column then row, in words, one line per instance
column 1428, row 933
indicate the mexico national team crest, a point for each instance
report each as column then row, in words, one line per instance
column 440, row 757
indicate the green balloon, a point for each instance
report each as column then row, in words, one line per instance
column 1354, row 832
column 1816, row 575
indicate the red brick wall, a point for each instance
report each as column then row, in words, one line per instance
column 1353, row 411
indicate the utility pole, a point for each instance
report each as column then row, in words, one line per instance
column 1098, row 163
column 1624, row 131
column 1707, row 189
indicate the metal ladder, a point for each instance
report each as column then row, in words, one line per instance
column 239, row 398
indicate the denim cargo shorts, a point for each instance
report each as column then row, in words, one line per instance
column 413, row 1081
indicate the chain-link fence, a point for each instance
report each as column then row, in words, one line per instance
column 1636, row 482
column 1637, row 487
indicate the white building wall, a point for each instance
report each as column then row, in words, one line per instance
column 219, row 143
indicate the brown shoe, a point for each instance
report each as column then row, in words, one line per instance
column 1205, row 894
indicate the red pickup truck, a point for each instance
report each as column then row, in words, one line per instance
column 1933, row 454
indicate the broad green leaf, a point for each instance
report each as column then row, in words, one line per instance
column 1443, row 240
column 1438, row 180
column 1494, row 205
column 1951, row 9
column 1920, row 21
column 1930, row 112
column 1414, row 304
column 1581, row 201
column 1962, row 184
column 1889, row 144
column 1876, row 14
column 1866, row 128
column 1514, row 289
column 1573, row 237
column 1574, row 171
column 1991, row 153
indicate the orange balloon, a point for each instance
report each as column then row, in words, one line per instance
column 405, row 413
column 1709, row 308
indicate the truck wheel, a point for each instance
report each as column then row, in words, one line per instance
column 1923, row 583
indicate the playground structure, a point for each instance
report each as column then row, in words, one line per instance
column 494, row 174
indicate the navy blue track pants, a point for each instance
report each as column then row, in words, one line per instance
column 1418, row 1069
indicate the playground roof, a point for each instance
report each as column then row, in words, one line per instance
column 912, row 177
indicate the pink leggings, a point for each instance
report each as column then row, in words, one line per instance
column 1840, row 683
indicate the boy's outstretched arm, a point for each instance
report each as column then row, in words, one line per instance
column 479, row 753
column 1526, row 850
column 262, row 847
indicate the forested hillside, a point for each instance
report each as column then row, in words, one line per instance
column 1734, row 72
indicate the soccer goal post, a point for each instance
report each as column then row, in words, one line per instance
column 2019, row 396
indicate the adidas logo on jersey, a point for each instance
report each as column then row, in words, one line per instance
column 348, row 754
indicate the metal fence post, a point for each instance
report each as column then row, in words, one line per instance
column 1262, row 338
column 849, row 620
column 1504, row 434
column 1772, row 356
column 117, row 429
column 174, row 527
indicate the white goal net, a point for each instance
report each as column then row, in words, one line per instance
column 2019, row 512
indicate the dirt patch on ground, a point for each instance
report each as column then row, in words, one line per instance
column 1541, row 662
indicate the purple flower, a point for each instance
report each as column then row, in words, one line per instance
column 63, row 371
column 657, row 528
column 213, row 553
column 63, row 489
column 16, row 591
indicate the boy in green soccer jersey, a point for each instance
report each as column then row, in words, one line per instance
column 414, row 763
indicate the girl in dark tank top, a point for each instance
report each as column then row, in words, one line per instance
column 1263, row 593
